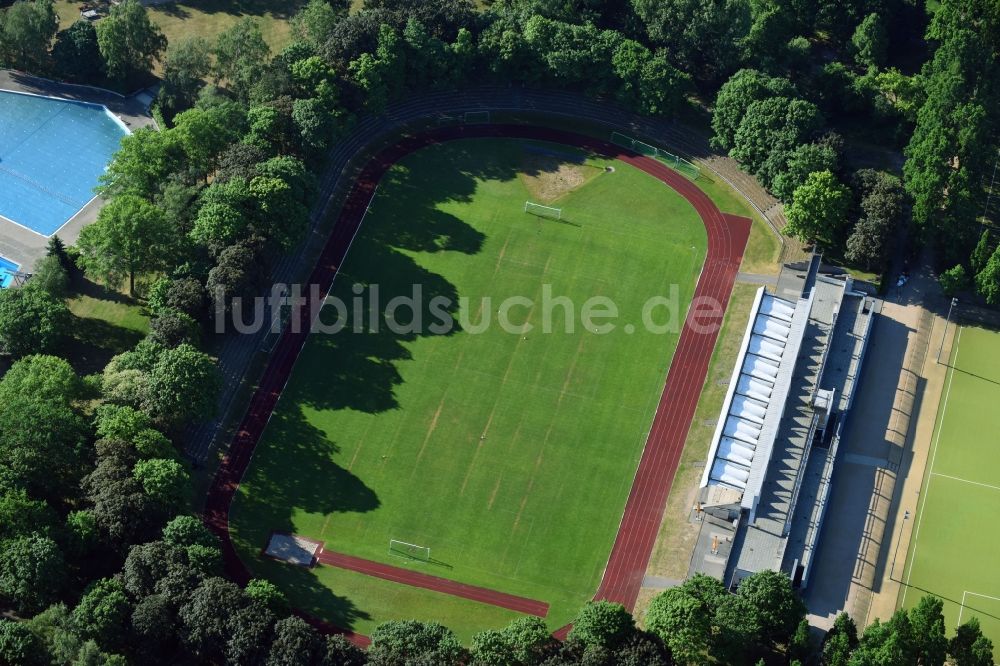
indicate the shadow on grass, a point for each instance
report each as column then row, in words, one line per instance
column 358, row 367
column 95, row 340
column 282, row 10
column 294, row 479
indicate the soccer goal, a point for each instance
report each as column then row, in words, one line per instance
column 542, row 211
column 410, row 551
column 476, row 117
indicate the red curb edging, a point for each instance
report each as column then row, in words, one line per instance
column 727, row 236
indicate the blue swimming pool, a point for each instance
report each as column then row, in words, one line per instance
column 52, row 152
column 7, row 270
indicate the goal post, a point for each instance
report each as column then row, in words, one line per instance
column 539, row 210
column 410, row 551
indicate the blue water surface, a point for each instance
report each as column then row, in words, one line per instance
column 51, row 154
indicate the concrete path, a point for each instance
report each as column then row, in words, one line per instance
column 882, row 463
column 659, row 582
column 757, row 278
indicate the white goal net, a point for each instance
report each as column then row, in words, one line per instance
column 410, row 551
column 542, row 211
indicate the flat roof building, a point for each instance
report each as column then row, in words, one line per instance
column 766, row 482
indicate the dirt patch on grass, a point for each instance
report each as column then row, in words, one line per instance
column 549, row 177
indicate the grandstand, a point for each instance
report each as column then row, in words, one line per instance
column 766, row 483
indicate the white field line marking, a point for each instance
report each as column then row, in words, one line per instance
column 961, row 608
column 934, row 447
column 956, row 478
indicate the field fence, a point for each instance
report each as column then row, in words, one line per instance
column 673, row 161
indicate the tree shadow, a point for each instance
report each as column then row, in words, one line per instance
column 94, row 342
column 360, row 361
column 279, row 9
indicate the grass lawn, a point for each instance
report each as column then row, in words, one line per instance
column 208, row 18
column 105, row 323
column 509, row 455
column 954, row 545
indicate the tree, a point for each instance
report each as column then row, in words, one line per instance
column 969, row 647
column 870, row 42
column 76, row 54
column 128, row 41
column 25, row 33
column 927, row 620
column 205, row 131
column 21, row 515
column 144, row 161
column 103, row 613
column 743, row 88
column 252, row 630
column 802, row 161
column 240, row 56
column 840, row 641
column 32, row 572
column 166, row 482
column 18, row 645
column 267, row 594
column 172, row 328
column 51, row 277
column 769, row 130
column 154, row 624
column 413, row 641
column 185, row 66
column 41, row 445
column 184, row 531
column 890, row 643
column 338, row 651
column 31, row 321
column 184, row 386
column 44, row 378
column 524, row 641
column 122, row 510
column 702, row 34
column 683, row 619
column 818, row 210
column 314, row 23
column 603, row 623
column 239, row 273
column 131, row 236
column 295, row 643
column 206, row 617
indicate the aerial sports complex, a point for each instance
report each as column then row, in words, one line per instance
column 468, row 477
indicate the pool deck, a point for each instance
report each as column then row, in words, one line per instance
column 20, row 244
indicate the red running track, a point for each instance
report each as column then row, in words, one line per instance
column 727, row 236
column 436, row 583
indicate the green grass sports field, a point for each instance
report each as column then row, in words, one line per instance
column 509, row 455
column 953, row 554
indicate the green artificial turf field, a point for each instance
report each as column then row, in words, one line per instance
column 953, row 554
column 509, row 455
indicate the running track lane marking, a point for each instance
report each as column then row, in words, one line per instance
column 435, row 583
column 727, row 236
